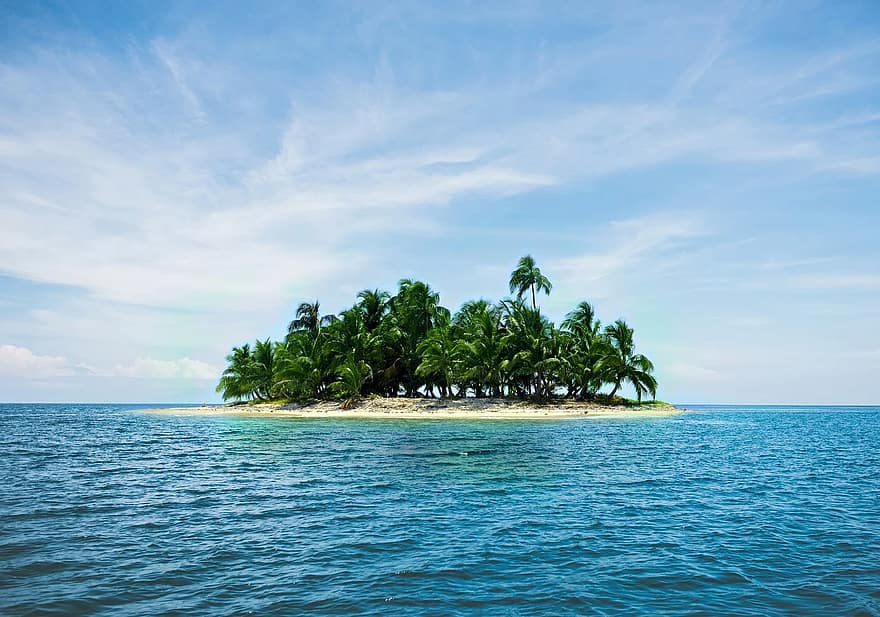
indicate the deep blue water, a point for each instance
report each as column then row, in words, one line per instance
column 738, row 511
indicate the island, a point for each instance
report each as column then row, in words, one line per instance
column 406, row 355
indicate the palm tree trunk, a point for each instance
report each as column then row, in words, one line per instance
column 534, row 301
column 614, row 391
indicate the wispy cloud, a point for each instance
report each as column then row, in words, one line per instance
column 163, row 52
column 21, row 362
column 207, row 176
column 149, row 368
column 704, row 61
column 628, row 246
column 844, row 281
column 794, row 264
column 161, row 217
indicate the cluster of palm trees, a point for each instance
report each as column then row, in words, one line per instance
column 409, row 345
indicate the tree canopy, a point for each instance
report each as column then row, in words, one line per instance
column 527, row 276
column 408, row 344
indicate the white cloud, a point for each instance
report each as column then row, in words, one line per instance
column 182, row 215
column 18, row 361
column 147, row 368
column 128, row 200
column 22, row 362
column 166, row 225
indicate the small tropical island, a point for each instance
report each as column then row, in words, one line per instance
column 406, row 355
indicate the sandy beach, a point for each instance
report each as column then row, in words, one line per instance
column 423, row 408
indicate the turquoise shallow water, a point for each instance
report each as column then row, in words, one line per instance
column 737, row 511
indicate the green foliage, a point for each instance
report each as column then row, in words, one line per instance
column 407, row 344
column 527, row 275
column 438, row 359
column 621, row 364
column 250, row 374
column 353, row 374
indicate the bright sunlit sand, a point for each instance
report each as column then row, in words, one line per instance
column 420, row 408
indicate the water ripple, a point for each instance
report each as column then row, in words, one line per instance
column 736, row 511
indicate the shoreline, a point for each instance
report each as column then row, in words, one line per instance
column 426, row 408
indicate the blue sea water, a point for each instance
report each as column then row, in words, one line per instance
column 726, row 510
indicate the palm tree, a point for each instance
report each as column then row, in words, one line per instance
column 263, row 368
column 297, row 376
column 438, row 359
column 419, row 305
column 527, row 275
column 479, row 347
column 585, row 347
column 410, row 345
column 622, row 364
column 352, row 375
column 415, row 310
column 237, row 381
column 582, row 319
column 303, row 365
column 308, row 317
column 527, row 341
column 250, row 372
column 373, row 304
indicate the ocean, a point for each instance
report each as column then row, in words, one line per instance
column 725, row 510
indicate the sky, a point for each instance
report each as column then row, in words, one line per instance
column 176, row 177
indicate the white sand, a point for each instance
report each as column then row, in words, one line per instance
column 422, row 408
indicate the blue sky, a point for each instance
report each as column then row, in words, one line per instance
column 176, row 177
